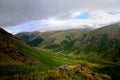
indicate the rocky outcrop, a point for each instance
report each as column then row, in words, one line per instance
column 64, row 67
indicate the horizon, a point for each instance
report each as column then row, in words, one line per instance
column 43, row 15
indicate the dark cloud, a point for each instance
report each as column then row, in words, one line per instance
column 13, row 12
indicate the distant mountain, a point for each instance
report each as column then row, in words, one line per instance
column 52, row 40
column 104, row 41
column 32, row 39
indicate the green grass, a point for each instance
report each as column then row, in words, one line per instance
column 44, row 57
column 89, row 60
column 9, row 70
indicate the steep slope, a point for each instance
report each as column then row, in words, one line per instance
column 18, row 58
column 8, row 52
column 12, row 49
column 104, row 41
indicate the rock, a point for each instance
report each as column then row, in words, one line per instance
column 105, row 77
column 64, row 67
column 80, row 66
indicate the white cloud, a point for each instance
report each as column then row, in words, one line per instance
column 14, row 12
column 97, row 19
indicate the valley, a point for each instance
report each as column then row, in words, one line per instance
column 77, row 54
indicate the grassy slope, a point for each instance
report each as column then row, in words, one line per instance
column 33, row 53
column 101, row 43
column 7, row 60
column 40, row 60
column 46, row 58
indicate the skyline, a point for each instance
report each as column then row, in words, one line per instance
column 42, row 15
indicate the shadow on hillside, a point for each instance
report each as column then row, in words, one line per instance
column 113, row 71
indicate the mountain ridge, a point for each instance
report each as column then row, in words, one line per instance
column 105, row 40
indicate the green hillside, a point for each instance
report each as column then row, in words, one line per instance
column 20, row 61
column 98, row 44
column 54, row 40
column 8, row 50
column 104, row 42
column 11, row 43
column 101, row 46
column 16, row 57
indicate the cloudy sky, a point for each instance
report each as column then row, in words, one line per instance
column 45, row 15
